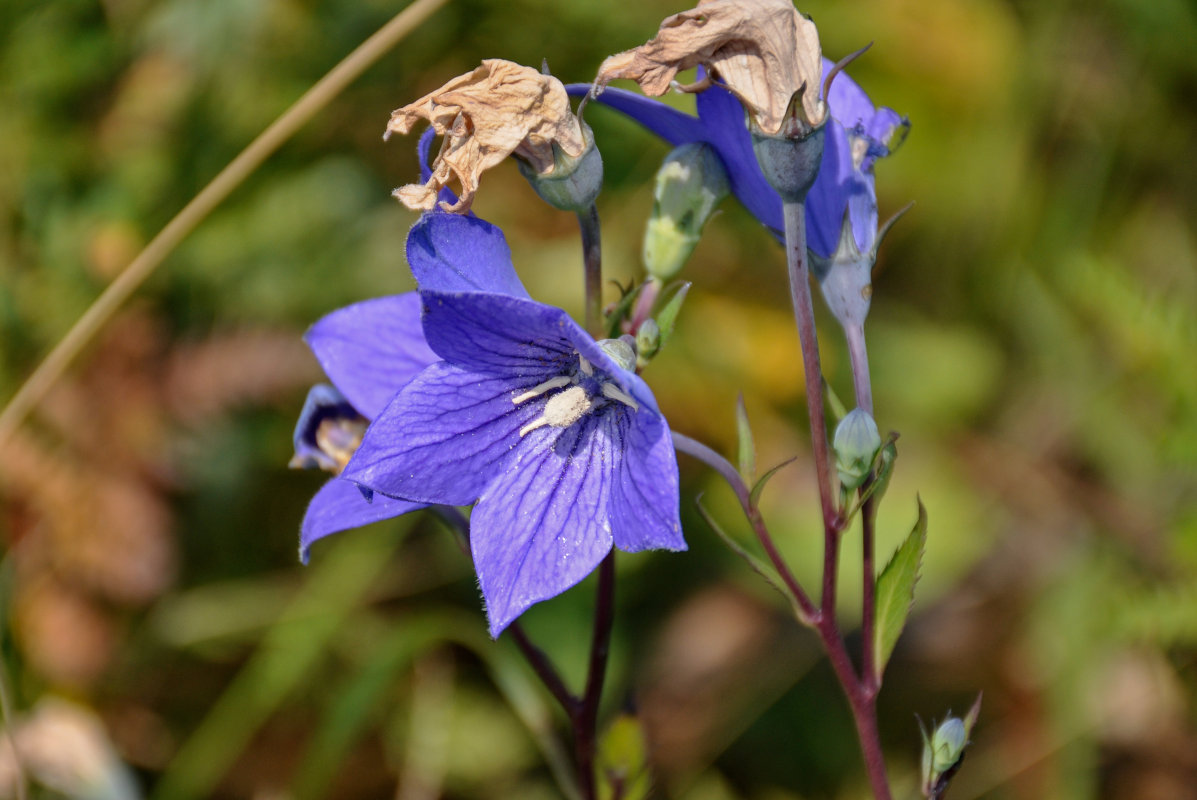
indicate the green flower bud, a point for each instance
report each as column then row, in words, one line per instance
column 689, row 185
column 943, row 750
column 622, row 350
column 856, row 444
column 947, row 744
column 648, row 341
column 574, row 182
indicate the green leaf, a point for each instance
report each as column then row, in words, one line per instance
column 747, row 451
column 622, row 309
column 668, row 315
column 759, row 487
column 895, row 592
column 623, row 772
column 838, row 412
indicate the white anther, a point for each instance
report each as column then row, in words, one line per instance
column 541, row 388
column 584, row 365
column 613, row 392
column 562, row 410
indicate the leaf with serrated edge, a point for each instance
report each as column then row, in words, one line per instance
column 895, row 592
column 747, row 448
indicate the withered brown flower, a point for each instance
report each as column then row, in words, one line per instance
column 764, row 50
column 499, row 109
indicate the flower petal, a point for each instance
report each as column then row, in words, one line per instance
column 424, row 150
column 499, row 335
column 847, row 101
column 541, row 525
column 645, row 496
column 339, row 506
column 442, row 438
column 838, row 186
column 455, row 253
column 372, row 349
column 675, row 127
column 723, row 117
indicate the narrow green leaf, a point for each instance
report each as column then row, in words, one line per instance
column 622, row 309
column 759, row 487
column 895, row 591
column 838, row 412
column 758, row 566
column 747, row 451
column 668, row 315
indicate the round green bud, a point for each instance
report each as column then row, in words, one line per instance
column 575, row 181
column 648, row 341
column 621, row 350
column 947, row 744
column 856, row 443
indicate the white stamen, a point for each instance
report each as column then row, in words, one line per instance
column 584, row 365
column 539, row 389
column 539, row 422
column 562, row 410
column 613, row 392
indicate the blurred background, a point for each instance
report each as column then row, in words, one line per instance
column 1032, row 335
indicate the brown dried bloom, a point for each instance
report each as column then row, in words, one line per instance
column 764, row 50
column 499, row 109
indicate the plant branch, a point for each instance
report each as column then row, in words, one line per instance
column 212, row 195
column 809, row 614
column 545, row 670
column 585, row 720
column 858, row 355
column 804, row 316
column 592, row 262
column 861, row 697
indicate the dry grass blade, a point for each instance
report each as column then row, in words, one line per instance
column 291, row 120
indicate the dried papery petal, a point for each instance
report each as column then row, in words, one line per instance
column 764, row 50
column 499, row 109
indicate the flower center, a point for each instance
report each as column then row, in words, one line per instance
column 567, row 407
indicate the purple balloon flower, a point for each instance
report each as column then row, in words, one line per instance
column 368, row 370
column 857, row 135
column 370, row 351
column 560, row 445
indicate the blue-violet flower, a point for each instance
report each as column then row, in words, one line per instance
column 370, row 350
column 553, row 436
column 843, row 194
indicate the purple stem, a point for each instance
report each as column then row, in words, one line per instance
column 859, row 690
column 721, row 465
column 545, row 670
column 592, row 263
column 858, row 355
column 585, row 718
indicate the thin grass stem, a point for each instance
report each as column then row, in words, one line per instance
column 114, row 296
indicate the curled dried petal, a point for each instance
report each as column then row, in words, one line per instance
column 764, row 50
column 499, row 109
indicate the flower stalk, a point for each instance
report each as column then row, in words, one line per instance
column 861, row 689
column 804, row 316
column 592, row 265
